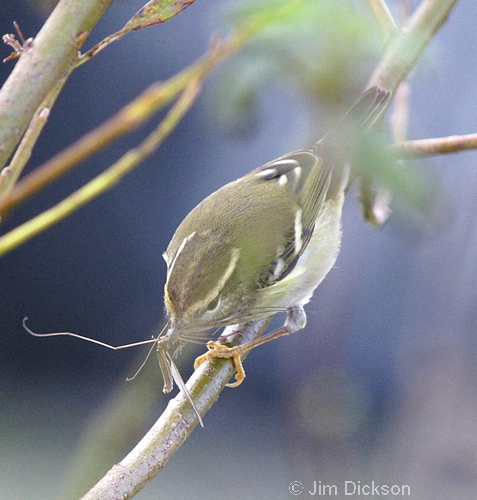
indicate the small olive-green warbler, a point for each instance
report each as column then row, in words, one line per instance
column 258, row 246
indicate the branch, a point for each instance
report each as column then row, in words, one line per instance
column 174, row 426
column 104, row 181
column 45, row 61
column 125, row 121
column 387, row 25
column 404, row 51
column 154, row 12
column 399, row 118
column 10, row 174
column 431, row 147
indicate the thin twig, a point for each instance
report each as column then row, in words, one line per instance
column 42, row 64
column 154, row 12
column 405, row 49
column 18, row 46
column 10, row 174
column 105, row 180
column 23, row 152
column 437, row 146
column 399, row 118
column 387, row 25
column 127, row 119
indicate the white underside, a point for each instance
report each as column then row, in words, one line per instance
column 314, row 264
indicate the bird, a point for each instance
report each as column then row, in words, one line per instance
column 258, row 246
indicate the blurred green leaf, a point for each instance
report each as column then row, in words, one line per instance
column 318, row 48
column 413, row 189
column 155, row 12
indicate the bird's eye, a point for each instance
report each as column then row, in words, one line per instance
column 213, row 304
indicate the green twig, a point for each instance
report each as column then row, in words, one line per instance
column 437, row 146
column 387, row 25
column 406, row 48
column 125, row 121
column 104, row 181
column 154, row 12
column 47, row 59
column 10, row 173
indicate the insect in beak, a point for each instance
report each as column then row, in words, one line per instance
column 168, row 368
column 170, row 372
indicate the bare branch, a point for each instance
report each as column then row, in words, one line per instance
column 387, row 24
column 10, row 174
column 104, row 181
column 42, row 64
column 127, row 119
column 154, row 12
column 404, row 51
column 431, row 147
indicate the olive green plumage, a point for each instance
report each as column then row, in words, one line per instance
column 220, row 236
column 260, row 244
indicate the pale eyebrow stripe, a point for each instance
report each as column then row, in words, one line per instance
column 179, row 250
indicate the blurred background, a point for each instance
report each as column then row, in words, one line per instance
column 380, row 386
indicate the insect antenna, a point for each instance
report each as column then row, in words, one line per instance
column 81, row 337
column 143, row 364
